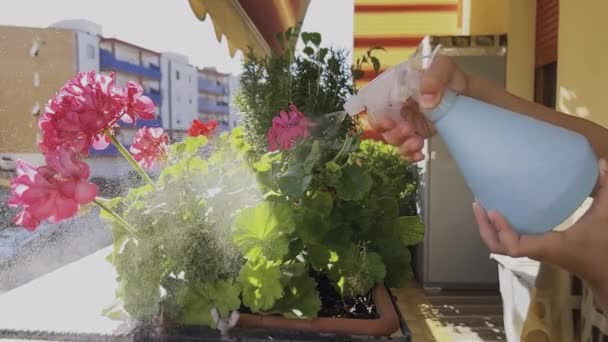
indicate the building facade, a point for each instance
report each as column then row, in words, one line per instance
column 36, row 62
column 214, row 97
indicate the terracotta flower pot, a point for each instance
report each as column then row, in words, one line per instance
column 386, row 324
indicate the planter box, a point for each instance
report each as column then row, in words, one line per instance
column 252, row 327
column 517, row 277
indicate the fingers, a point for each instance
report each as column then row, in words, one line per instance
column 509, row 239
column 600, row 193
column 488, row 233
column 381, row 125
column 411, row 145
column 434, row 80
column 399, row 133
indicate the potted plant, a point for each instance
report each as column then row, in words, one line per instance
column 289, row 223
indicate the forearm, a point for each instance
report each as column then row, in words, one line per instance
column 489, row 92
column 559, row 248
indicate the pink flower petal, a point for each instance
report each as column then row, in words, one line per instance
column 100, row 142
column 85, row 192
column 26, row 220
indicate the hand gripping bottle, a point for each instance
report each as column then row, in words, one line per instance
column 534, row 173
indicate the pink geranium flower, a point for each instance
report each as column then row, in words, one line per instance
column 138, row 106
column 287, row 128
column 54, row 192
column 84, row 107
column 149, row 145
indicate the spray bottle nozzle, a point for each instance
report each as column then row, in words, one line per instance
column 385, row 95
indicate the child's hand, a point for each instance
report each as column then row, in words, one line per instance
column 409, row 134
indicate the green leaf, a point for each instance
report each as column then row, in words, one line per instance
column 321, row 202
column 397, row 259
column 292, row 270
column 322, row 54
column 263, row 230
column 296, row 246
column 295, row 181
column 111, row 204
column 264, row 164
column 310, row 226
column 305, row 37
column 315, row 38
column 115, row 312
column 309, row 51
column 376, row 64
column 288, row 33
column 198, row 164
column 357, row 270
column 238, row 142
column 412, row 230
column 196, row 301
column 193, row 144
column 300, row 299
column 389, row 208
column 260, row 280
column 313, row 157
column 354, row 183
column 318, row 256
column 136, row 193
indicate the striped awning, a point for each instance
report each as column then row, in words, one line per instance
column 400, row 25
column 251, row 23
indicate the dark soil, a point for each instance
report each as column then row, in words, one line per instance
column 333, row 305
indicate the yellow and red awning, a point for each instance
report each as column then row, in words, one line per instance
column 251, row 23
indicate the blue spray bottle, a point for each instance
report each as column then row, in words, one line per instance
column 534, row 173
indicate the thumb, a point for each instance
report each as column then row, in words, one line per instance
column 431, row 90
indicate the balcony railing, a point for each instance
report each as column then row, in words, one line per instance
column 109, row 151
column 208, row 86
column 109, row 62
column 156, row 122
column 155, row 97
column 208, row 106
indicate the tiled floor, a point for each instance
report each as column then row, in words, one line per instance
column 451, row 315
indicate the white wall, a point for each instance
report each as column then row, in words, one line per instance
column 126, row 53
column 122, row 78
column 179, row 91
column 164, row 90
column 106, row 45
column 151, row 84
column 233, row 85
column 149, row 58
column 88, row 52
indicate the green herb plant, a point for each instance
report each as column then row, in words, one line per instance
column 244, row 228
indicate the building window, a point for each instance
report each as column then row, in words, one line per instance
column 90, row 51
column 190, row 100
column 179, row 99
column 177, row 75
column 189, row 78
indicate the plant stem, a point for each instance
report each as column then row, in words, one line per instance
column 123, row 151
column 132, row 230
column 341, row 152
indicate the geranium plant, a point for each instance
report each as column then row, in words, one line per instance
column 289, row 215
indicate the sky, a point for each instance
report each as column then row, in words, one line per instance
column 170, row 25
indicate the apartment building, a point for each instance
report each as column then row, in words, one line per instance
column 36, row 62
